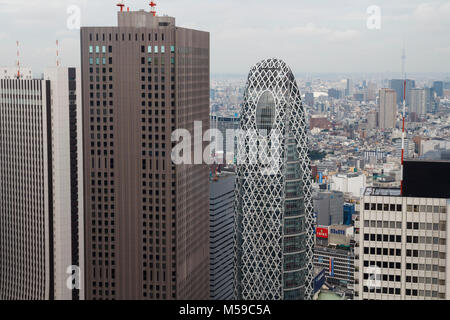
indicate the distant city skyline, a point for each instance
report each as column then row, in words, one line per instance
column 325, row 37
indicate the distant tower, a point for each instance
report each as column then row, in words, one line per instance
column 403, row 62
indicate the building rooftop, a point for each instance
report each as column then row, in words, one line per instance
column 373, row 191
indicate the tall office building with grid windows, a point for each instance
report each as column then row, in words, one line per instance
column 147, row 220
column 274, row 211
column 41, row 195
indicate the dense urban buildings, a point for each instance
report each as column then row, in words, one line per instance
column 274, row 231
column 41, row 191
column 221, row 207
column 147, row 219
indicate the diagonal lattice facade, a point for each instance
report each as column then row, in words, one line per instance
column 274, row 219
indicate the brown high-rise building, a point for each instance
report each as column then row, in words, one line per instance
column 146, row 219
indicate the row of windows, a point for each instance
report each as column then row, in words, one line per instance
column 385, row 277
column 383, row 207
column 409, row 208
column 383, row 251
column 382, row 224
column 383, row 290
column 97, row 61
column 424, row 267
column 382, row 237
column 155, row 37
column 97, row 49
column 154, row 49
column 426, row 226
column 425, row 254
column 424, row 280
column 383, row 264
column 425, row 240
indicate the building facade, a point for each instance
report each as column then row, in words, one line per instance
column 418, row 102
column 228, row 127
column 402, row 251
column 387, row 109
column 221, row 235
column 40, row 189
column 328, row 207
column 147, row 219
column 274, row 232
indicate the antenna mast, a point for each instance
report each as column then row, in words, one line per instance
column 153, row 10
column 18, row 60
column 57, row 53
column 403, row 117
column 120, row 5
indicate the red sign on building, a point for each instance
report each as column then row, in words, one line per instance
column 322, row 233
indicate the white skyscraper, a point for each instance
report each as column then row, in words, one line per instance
column 41, row 199
column 387, row 109
column 274, row 217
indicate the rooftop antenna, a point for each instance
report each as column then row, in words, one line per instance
column 120, row 5
column 153, row 10
column 403, row 116
column 18, row 60
column 57, row 53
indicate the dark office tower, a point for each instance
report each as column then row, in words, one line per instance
column 398, row 84
column 221, row 235
column 274, row 212
column 309, row 99
column 40, row 192
column 438, row 87
column 227, row 127
column 147, row 220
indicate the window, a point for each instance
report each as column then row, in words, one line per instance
column 156, row 49
column 172, row 49
column 103, row 49
column 91, row 60
column 97, row 49
column 163, row 49
column 91, row 49
column 149, row 49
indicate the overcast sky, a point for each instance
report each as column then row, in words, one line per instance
column 311, row 36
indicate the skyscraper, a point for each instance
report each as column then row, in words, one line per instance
column 418, row 102
column 387, row 109
column 431, row 101
column 147, row 220
column 221, row 235
column 274, row 231
column 438, row 87
column 349, row 87
column 41, row 195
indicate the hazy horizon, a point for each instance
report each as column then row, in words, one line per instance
column 313, row 38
